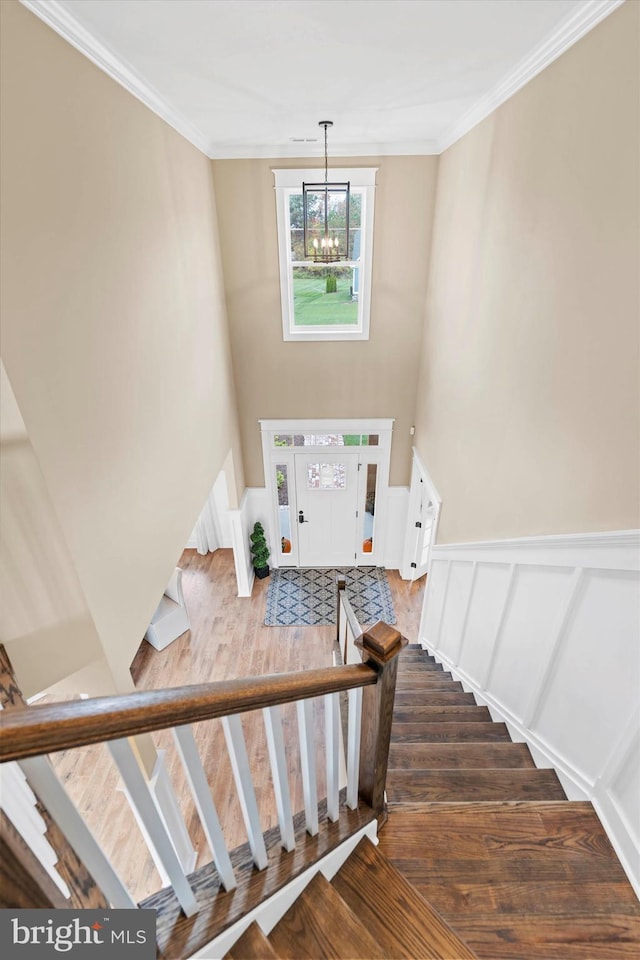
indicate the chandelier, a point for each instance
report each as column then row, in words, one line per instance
column 326, row 215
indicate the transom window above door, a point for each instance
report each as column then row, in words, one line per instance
column 326, row 439
column 323, row 301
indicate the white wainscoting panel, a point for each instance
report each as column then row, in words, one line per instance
column 594, row 685
column 546, row 630
column 455, row 606
column 484, row 616
column 537, row 602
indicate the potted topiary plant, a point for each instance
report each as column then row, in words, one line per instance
column 259, row 551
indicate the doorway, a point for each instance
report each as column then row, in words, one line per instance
column 327, row 501
column 327, row 484
column 422, row 525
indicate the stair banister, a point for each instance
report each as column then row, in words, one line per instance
column 46, row 728
column 28, row 733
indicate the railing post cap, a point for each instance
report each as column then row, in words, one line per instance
column 382, row 641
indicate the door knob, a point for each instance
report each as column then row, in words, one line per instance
column 301, row 518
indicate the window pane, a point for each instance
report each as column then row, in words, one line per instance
column 282, row 481
column 283, row 440
column 370, row 439
column 297, row 226
column 369, row 507
column 326, row 440
column 336, row 218
column 326, row 476
column 323, row 295
column 355, row 226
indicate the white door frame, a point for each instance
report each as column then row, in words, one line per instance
column 380, row 454
column 420, row 480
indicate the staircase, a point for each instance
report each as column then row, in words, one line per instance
column 369, row 910
column 492, row 843
column 481, row 856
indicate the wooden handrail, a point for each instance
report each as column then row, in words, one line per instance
column 45, row 728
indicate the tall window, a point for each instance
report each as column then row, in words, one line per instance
column 326, row 301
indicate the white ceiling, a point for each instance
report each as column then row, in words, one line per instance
column 242, row 78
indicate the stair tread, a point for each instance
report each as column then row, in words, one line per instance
column 493, row 830
column 551, row 898
column 252, row 945
column 320, row 924
column 430, row 756
column 529, row 936
column 409, row 698
column 448, row 730
column 571, row 869
column 402, row 921
column 419, row 669
column 420, row 666
column 463, row 713
column 425, row 675
column 420, row 685
column 473, row 784
column 410, row 653
column 525, row 880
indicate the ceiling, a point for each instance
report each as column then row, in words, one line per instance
column 250, row 78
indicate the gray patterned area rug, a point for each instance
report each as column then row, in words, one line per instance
column 309, row 596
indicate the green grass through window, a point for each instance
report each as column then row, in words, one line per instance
column 313, row 306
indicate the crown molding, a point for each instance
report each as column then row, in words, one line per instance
column 59, row 19
column 572, row 29
column 415, row 148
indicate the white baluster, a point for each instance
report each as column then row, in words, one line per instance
column 308, row 764
column 44, row 781
column 237, row 750
column 332, row 742
column 277, row 756
column 196, row 777
column 147, row 811
column 353, row 746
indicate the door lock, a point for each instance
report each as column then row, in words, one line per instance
column 301, row 518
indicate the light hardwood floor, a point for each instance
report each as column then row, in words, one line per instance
column 228, row 639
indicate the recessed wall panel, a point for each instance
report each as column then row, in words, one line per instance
column 455, row 606
column 596, row 678
column 435, row 596
column 485, row 610
column 539, row 600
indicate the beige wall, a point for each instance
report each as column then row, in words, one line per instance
column 114, row 330
column 528, row 400
column 376, row 378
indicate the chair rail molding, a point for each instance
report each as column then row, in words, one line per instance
column 545, row 631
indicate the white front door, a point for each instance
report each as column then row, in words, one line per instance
column 327, row 500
